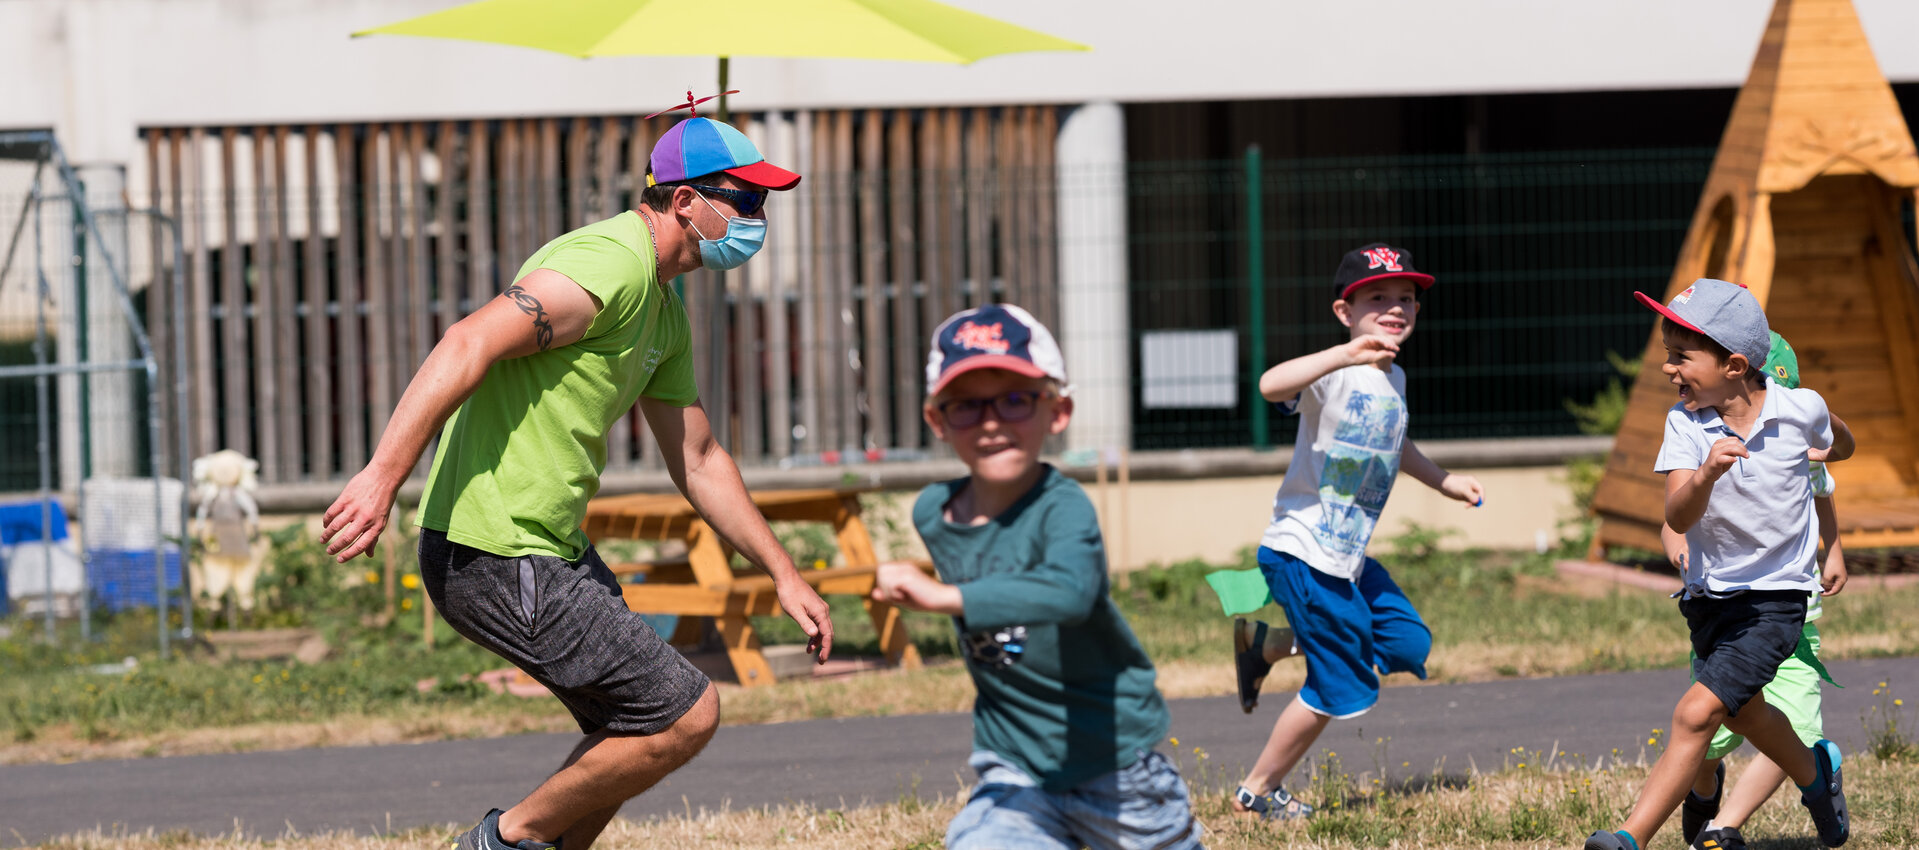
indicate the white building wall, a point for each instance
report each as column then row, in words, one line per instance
column 97, row 70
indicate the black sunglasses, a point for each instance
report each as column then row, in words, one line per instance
column 1016, row 406
column 746, row 201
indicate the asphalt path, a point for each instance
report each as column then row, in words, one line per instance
column 850, row 762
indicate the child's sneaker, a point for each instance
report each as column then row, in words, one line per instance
column 1272, row 805
column 485, row 835
column 1249, row 659
column 1720, row 838
column 1696, row 811
column 1826, row 799
column 1611, row 841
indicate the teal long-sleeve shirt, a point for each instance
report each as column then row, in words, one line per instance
column 1081, row 700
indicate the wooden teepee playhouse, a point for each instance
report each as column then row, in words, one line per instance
column 1804, row 206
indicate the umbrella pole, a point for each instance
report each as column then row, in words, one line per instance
column 723, row 63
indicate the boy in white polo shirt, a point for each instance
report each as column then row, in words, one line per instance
column 1795, row 689
column 1735, row 463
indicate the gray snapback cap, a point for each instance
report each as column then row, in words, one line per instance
column 1727, row 313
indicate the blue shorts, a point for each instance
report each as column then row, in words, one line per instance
column 1345, row 629
column 1141, row 806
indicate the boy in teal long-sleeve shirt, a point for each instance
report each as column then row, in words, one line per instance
column 1067, row 711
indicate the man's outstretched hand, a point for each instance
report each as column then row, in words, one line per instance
column 355, row 520
column 802, row 603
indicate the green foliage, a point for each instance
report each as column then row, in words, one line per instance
column 1887, row 736
column 1602, row 415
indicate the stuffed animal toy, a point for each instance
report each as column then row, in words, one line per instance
column 227, row 523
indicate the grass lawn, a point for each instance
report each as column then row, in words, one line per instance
column 1518, row 807
column 1493, row 614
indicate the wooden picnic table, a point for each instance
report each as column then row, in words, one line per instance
column 704, row 584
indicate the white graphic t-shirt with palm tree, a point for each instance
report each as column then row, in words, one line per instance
column 1352, row 423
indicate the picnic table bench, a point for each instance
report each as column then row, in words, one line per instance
column 704, row 584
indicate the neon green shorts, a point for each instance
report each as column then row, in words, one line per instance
column 1794, row 691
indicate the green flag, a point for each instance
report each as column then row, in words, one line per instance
column 1240, row 591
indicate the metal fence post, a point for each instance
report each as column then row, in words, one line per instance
column 1256, row 289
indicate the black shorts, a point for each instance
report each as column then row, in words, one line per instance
column 1739, row 641
column 565, row 624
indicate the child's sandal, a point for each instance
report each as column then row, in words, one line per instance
column 1272, row 805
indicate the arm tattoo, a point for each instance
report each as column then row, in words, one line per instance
column 542, row 329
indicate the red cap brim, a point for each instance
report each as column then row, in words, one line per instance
column 1425, row 281
column 1663, row 310
column 766, row 174
column 1008, row 362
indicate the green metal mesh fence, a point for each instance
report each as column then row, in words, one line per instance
column 1536, row 256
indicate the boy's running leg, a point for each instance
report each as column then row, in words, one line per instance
column 1144, row 804
column 1008, row 809
column 1256, row 647
column 1771, row 733
column 608, row 770
column 1694, row 720
column 1796, row 692
column 1293, row 734
column 1815, row 770
column 1754, row 787
column 1702, row 803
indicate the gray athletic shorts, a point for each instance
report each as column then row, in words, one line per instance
column 566, row 625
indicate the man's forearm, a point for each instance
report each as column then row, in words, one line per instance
column 715, row 489
column 444, row 381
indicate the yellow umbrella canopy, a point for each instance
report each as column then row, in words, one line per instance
column 907, row 30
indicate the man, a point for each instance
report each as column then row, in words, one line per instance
column 532, row 381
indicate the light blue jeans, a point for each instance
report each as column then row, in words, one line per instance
column 1143, row 805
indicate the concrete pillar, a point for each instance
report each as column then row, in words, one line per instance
column 1094, row 330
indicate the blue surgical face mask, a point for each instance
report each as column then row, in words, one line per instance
column 743, row 239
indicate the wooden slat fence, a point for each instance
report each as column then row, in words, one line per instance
column 324, row 261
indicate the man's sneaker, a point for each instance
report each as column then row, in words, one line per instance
column 1272, row 805
column 1611, row 841
column 1696, row 811
column 485, row 835
column 1719, row 838
column 1826, row 799
column 1249, row 657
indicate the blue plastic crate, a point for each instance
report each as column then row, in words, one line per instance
column 123, row 578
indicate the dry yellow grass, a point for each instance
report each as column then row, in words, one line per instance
column 1520, row 808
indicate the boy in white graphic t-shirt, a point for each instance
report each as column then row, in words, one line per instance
column 1347, row 616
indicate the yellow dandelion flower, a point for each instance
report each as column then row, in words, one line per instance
column 257, row 678
column 1884, row 685
column 1175, row 741
column 410, row 581
column 370, row 577
column 406, row 604
column 1651, row 741
column 1898, row 702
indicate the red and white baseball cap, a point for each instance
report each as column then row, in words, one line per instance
column 995, row 336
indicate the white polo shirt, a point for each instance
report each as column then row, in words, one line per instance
column 1759, row 531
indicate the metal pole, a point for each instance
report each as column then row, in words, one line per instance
column 43, row 409
column 1256, row 286
column 180, row 390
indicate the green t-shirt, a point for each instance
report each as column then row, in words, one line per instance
column 1081, row 701
column 519, row 460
